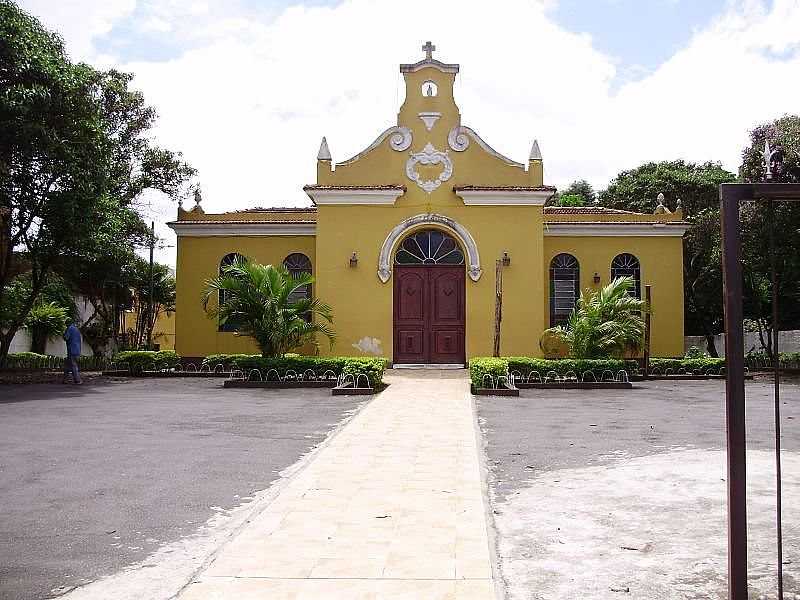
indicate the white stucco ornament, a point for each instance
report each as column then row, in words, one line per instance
column 429, row 156
column 369, row 345
column 405, row 227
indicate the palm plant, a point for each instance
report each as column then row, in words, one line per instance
column 607, row 323
column 258, row 301
column 43, row 322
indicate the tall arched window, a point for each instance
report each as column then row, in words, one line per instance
column 565, row 285
column 226, row 261
column 627, row 265
column 297, row 264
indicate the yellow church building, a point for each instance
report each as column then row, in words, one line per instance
column 403, row 240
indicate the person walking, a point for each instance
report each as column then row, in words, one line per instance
column 72, row 336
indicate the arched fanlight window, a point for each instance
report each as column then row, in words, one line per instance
column 627, row 265
column 298, row 264
column 429, row 247
column 565, row 287
column 226, row 261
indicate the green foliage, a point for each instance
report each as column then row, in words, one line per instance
column 481, row 366
column 75, row 157
column 580, row 188
column 45, row 321
column 784, row 136
column 687, row 365
column 607, row 323
column 372, row 367
column 147, row 360
column 258, row 301
column 36, row 361
column 695, row 352
column 697, row 185
column 525, row 366
column 570, row 200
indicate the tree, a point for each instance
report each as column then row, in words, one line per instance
column 79, row 155
column 258, row 300
column 607, row 323
column 581, row 188
column 783, row 135
column 702, row 276
column 43, row 322
column 697, row 186
column 570, row 200
column 52, row 156
column 760, row 224
column 163, row 299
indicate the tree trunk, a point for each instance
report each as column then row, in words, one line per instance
column 38, row 341
column 711, row 346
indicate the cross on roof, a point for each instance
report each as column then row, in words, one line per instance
column 428, row 48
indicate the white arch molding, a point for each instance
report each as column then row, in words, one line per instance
column 395, row 235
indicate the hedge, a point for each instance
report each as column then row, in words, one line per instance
column 373, row 368
column 524, row 366
column 35, row 361
column 147, row 360
column 686, row 365
column 478, row 367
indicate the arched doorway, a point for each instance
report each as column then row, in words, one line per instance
column 429, row 299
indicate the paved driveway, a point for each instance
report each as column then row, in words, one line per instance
column 96, row 478
column 611, row 494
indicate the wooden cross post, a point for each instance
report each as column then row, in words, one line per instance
column 498, row 305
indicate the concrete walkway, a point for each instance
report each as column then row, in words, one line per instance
column 392, row 508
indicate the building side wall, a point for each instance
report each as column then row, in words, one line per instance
column 198, row 260
column 661, row 260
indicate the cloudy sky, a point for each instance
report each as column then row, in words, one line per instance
column 246, row 88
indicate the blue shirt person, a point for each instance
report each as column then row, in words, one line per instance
column 72, row 336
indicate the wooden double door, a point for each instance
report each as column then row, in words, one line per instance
column 429, row 314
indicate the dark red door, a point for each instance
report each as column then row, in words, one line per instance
column 429, row 314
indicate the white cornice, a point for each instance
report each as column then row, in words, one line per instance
column 355, row 196
column 611, row 229
column 250, row 229
column 504, row 197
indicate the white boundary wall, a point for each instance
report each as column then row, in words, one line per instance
column 788, row 341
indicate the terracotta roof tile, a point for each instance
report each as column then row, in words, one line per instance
column 585, row 210
column 354, row 187
column 503, row 188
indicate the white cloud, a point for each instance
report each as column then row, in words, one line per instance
column 251, row 98
column 79, row 21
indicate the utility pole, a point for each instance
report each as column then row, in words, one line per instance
column 150, row 312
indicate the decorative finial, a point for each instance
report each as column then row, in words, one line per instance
column 198, row 196
column 428, row 49
column 536, row 154
column 767, row 155
column 324, row 153
column 180, row 202
column 679, row 204
column 661, row 209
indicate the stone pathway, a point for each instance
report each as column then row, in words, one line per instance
column 392, row 508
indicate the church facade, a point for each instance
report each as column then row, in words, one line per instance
column 405, row 239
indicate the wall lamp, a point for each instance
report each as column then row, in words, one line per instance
column 596, row 278
column 354, row 260
column 506, row 259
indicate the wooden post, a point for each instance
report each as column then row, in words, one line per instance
column 647, row 300
column 498, row 305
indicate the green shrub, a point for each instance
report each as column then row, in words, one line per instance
column 524, row 366
column 32, row 360
column 687, row 365
column 147, row 360
column 478, row 367
column 694, row 352
column 373, row 368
